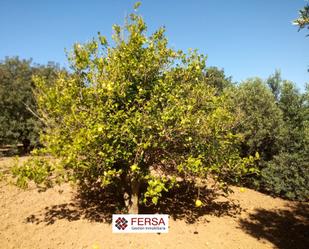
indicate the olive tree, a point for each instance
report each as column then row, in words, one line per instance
column 134, row 113
column 18, row 121
column 262, row 122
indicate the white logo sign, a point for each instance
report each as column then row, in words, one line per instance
column 140, row 223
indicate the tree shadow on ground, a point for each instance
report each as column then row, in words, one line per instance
column 15, row 150
column 179, row 203
column 97, row 205
column 286, row 228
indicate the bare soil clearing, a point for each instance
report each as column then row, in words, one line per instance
column 57, row 218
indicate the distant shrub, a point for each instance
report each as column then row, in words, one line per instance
column 287, row 175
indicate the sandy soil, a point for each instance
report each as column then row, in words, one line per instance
column 58, row 218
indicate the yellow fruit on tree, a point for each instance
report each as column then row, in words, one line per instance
column 198, row 203
column 134, row 167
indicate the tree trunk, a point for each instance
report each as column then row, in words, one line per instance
column 26, row 145
column 131, row 200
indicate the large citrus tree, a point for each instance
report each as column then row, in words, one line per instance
column 135, row 112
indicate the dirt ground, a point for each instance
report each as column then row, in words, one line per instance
column 58, row 218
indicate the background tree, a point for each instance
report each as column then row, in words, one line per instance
column 18, row 123
column 275, row 124
column 262, row 121
column 292, row 105
column 135, row 115
column 303, row 20
column 274, row 83
column 216, row 77
column 287, row 174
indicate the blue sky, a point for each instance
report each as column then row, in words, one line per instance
column 245, row 37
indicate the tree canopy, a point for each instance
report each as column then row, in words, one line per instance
column 136, row 114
